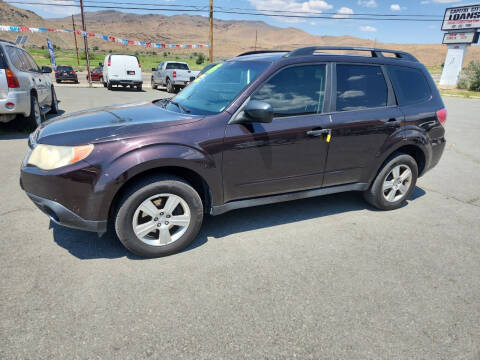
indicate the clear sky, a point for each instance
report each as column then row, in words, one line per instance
column 384, row 31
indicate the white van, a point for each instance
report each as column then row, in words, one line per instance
column 122, row 70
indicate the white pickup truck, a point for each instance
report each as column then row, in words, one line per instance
column 173, row 75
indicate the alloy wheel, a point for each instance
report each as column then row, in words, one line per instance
column 397, row 183
column 161, row 219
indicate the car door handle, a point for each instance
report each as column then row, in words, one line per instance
column 393, row 122
column 319, row 132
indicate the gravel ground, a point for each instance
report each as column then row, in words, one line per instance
column 319, row 278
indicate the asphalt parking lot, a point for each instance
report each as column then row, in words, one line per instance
column 323, row 278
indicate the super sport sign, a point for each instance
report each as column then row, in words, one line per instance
column 462, row 17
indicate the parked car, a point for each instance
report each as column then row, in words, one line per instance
column 26, row 91
column 124, row 70
column 97, row 74
column 261, row 128
column 65, row 73
column 173, row 75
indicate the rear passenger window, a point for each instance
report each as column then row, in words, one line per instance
column 298, row 90
column 409, row 84
column 360, row 87
column 14, row 56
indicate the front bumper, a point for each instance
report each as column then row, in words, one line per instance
column 63, row 216
column 21, row 99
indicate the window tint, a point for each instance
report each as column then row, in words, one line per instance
column 360, row 87
column 177, row 66
column 15, row 58
column 65, row 68
column 3, row 61
column 296, row 90
column 410, row 85
column 32, row 65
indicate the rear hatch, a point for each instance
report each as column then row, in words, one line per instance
column 3, row 76
column 131, row 68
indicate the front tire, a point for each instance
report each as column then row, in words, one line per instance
column 109, row 86
column 159, row 217
column 394, row 183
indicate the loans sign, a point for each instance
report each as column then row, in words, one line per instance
column 462, row 17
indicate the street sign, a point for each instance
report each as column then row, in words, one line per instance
column 460, row 38
column 461, row 17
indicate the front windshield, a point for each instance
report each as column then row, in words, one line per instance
column 213, row 91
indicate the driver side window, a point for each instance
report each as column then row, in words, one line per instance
column 296, row 90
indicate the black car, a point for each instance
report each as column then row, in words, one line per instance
column 260, row 128
column 65, row 73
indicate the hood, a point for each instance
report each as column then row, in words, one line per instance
column 108, row 123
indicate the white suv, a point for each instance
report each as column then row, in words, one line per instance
column 26, row 91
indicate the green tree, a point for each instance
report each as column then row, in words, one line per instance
column 200, row 59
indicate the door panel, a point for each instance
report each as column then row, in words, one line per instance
column 265, row 159
column 270, row 158
column 357, row 138
column 366, row 116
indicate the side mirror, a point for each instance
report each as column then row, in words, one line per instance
column 100, row 64
column 154, row 69
column 255, row 111
column 46, row 69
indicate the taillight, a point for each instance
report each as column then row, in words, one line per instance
column 56, row 71
column 109, row 62
column 139, row 65
column 12, row 80
column 442, row 116
column 72, row 72
column 174, row 74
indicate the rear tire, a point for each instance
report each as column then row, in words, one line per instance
column 54, row 104
column 154, row 86
column 170, row 88
column 394, row 183
column 109, row 86
column 139, row 88
column 161, row 219
column 31, row 122
column 58, row 81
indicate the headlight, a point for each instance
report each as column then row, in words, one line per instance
column 48, row 157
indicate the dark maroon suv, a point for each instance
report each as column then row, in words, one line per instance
column 260, row 128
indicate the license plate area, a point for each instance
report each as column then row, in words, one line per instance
column 130, row 72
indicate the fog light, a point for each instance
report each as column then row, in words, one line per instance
column 9, row 105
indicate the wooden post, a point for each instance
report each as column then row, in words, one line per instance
column 75, row 37
column 86, row 45
column 210, row 49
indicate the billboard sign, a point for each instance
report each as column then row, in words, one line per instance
column 460, row 38
column 461, row 17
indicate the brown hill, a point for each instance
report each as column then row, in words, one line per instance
column 231, row 37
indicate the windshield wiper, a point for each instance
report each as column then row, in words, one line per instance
column 181, row 107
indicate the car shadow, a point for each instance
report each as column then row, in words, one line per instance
column 127, row 88
column 85, row 245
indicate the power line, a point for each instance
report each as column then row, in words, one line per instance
column 202, row 7
column 294, row 15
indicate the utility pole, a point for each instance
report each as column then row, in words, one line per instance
column 210, row 49
column 86, row 44
column 255, row 39
column 75, row 37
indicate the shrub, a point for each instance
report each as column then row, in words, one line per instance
column 470, row 77
column 200, row 59
column 95, row 48
column 165, row 54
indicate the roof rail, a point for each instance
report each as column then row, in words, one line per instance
column 310, row 50
column 262, row 52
